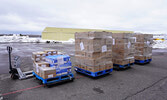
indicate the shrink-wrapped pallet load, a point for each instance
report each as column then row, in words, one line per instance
column 93, row 51
column 143, row 46
column 123, row 48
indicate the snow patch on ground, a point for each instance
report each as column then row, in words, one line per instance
column 160, row 44
column 18, row 38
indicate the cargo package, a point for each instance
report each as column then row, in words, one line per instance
column 93, row 51
column 143, row 46
column 123, row 48
column 49, row 64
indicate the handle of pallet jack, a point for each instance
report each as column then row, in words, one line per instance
column 9, row 49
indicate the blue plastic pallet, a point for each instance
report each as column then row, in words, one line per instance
column 143, row 61
column 56, row 79
column 93, row 74
column 123, row 66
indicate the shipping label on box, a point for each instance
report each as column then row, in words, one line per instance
column 104, row 48
column 47, row 72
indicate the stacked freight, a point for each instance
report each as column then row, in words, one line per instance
column 143, row 47
column 49, row 64
column 123, row 49
column 93, row 51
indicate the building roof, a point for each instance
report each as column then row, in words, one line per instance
column 73, row 30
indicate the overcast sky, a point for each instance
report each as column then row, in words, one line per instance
column 35, row 15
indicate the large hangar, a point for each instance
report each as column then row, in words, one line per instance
column 64, row 34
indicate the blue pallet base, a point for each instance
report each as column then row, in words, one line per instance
column 93, row 74
column 143, row 61
column 123, row 66
column 56, row 79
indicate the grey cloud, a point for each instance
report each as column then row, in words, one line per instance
column 35, row 15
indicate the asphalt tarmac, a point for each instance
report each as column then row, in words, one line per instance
column 140, row 82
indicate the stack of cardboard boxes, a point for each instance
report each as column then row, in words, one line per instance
column 49, row 64
column 93, row 51
column 143, row 46
column 123, row 48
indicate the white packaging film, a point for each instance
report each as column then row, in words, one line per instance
column 37, row 69
column 129, row 44
column 113, row 42
column 82, row 46
column 60, row 60
column 148, row 43
column 135, row 39
column 38, row 55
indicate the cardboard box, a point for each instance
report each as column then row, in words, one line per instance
column 83, row 67
column 42, row 64
column 102, row 67
column 80, row 53
column 93, row 69
column 94, row 48
column 81, row 35
column 120, row 40
column 143, row 46
column 132, row 60
column 93, row 55
column 38, row 56
column 51, row 52
column 58, row 59
column 108, row 54
column 97, row 52
column 121, row 61
column 109, row 65
column 77, row 41
column 95, row 41
column 140, row 57
column 109, row 41
column 95, row 34
column 47, row 72
column 92, row 62
column 122, row 35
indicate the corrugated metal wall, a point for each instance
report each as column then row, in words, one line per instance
column 64, row 34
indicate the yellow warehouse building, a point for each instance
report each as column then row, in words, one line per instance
column 64, row 34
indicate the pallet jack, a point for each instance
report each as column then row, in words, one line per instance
column 15, row 71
